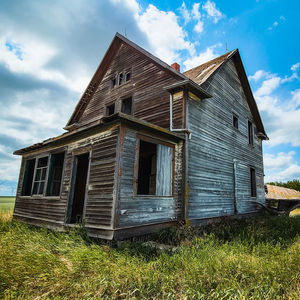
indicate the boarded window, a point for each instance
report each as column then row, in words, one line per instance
column 55, row 174
column 155, row 169
column 110, row 109
column 127, row 106
column 235, row 121
column 40, row 176
column 28, row 177
column 253, row 182
column 250, row 133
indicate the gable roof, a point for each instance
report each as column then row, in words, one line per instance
column 202, row 73
column 102, row 68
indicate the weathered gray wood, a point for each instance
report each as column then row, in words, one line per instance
column 214, row 145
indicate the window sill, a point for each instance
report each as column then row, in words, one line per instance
column 41, row 197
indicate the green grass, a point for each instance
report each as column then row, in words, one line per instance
column 256, row 258
column 7, row 203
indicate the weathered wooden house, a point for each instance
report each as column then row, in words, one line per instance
column 147, row 147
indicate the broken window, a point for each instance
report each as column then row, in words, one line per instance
column 127, row 76
column 55, row 174
column 121, row 77
column 235, row 121
column 113, row 82
column 127, row 106
column 40, row 176
column 155, row 169
column 250, row 133
column 110, row 109
column 28, row 177
column 253, row 182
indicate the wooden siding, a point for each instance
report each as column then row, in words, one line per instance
column 150, row 101
column 100, row 195
column 140, row 210
column 178, row 110
column 214, row 146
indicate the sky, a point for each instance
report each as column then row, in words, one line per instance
column 49, row 51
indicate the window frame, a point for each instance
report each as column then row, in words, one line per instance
column 250, row 133
column 155, row 141
column 107, row 108
column 253, row 183
column 132, row 106
column 46, row 176
column 115, row 80
column 235, row 116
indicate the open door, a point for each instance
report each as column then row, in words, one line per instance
column 78, row 189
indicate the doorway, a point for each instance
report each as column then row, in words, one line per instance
column 78, row 189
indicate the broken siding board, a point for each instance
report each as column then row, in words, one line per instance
column 215, row 144
column 151, row 102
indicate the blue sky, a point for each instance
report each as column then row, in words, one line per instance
column 50, row 49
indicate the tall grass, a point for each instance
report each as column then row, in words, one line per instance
column 257, row 258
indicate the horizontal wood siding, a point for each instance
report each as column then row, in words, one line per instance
column 178, row 110
column 99, row 207
column 214, row 145
column 141, row 210
column 150, row 101
column 99, row 202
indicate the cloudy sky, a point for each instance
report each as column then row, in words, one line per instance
column 50, row 49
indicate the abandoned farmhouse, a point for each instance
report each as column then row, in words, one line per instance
column 147, row 147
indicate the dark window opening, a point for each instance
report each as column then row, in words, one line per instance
column 147, row 169
column 127, row 106
column 127, row 76
column 79, row 186
column 235, row 122
column 40, row 176
column 110, row 109
column 121, row 77
column 253, row 182
column 55, row 174
column 250, row 133
column 113, row 82
column 28, row 177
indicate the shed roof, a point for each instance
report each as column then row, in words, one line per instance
column 281, row 193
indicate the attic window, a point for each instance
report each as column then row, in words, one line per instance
column 110, row 109
column 120, row 78
column 235, row 121
column 127, row 106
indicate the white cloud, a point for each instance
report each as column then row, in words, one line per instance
column 212, row 11
column 203, row 57
column 276, row 23
column 281, row 167
column 185, row 13
column 165, row 35
column 282, row 159
column 258, row 75
column 199, row 27
column 268, row 86
column 295, row 67
column 196, row 12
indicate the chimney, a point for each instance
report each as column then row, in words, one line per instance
column 176, row 66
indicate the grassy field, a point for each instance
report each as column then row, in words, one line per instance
column 6, row 203
column 257, row 258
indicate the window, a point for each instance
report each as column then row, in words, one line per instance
column 28, row 177
column 127, row 76
column 120, row 78
column 155, row 169
column 250, row 133
column 110, row 109
column 235, row 121
column 113, row 82
column 40, row 176
column 127, row 106
column 55, row 174
column 253, row 182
